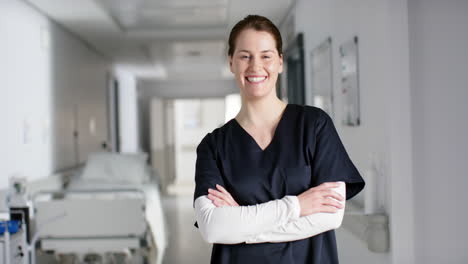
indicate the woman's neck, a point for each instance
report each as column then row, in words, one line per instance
column 260, row 113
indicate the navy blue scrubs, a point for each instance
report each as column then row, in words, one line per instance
column 305, row 151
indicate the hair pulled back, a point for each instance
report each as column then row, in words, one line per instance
column 258, row 23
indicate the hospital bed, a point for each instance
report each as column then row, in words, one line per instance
column 112, row 208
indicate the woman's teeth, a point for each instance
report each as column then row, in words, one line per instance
column 256, row 79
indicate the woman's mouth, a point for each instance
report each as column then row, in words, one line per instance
column 255, row 79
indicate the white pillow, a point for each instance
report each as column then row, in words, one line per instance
column 115, row 167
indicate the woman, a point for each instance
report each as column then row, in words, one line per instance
column 271, row 183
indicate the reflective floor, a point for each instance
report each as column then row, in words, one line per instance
column 185, row 244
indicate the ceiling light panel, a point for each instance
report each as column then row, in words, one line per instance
column 182, row 3
column 163, row 14
column 205, row 48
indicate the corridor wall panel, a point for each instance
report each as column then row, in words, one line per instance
column 438, row 56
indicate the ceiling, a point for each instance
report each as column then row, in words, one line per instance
column 161, row 39
column 161, row 14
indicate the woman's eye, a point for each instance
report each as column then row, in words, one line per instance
column 245, row 57
column 266, row 57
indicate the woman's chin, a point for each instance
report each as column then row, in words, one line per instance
column 256, row 94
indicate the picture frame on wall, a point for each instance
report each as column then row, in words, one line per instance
column 349, row 57
column 321, row 59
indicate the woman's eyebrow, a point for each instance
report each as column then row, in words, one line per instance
column 263, row 51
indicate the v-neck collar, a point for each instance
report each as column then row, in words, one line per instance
column 274, row 135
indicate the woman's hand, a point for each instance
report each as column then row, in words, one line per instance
column 319, row 199
column 221, row 197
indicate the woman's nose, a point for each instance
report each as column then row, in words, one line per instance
column 255, row 64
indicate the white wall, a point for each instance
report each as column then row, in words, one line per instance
column 384, row 136
column 50, row 81
column 439, row 41
column 79, row 90
column 25, row 91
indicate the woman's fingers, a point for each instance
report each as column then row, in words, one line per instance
column 328, row 209
column 321, row 198
column 326, row 190
column 332, row 202
column 217, row 201
column 218, row 194
column 223, row 192
column 221, row 189
column 228, row 195
column 333, row 194
column 227, row 198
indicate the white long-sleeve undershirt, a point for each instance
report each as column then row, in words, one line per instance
column 273, row 221
column 234, row 224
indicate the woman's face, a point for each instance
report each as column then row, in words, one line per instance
column 256, row 63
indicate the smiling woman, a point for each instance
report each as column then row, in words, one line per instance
column 271, row 183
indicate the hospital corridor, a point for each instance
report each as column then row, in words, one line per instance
column 116, row 114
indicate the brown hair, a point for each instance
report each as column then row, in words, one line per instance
column 258, row 23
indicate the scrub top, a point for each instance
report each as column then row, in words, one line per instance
column 305, row 151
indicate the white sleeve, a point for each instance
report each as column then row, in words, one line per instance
column 237, row 224
column 304, row 227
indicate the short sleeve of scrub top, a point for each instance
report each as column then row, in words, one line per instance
column 304, row 152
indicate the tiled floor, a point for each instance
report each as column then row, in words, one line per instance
column 185, row 244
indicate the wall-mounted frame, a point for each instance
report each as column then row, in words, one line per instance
column 350, row 82
column 322, row 76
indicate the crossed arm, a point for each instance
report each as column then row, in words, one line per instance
column 274, row 221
